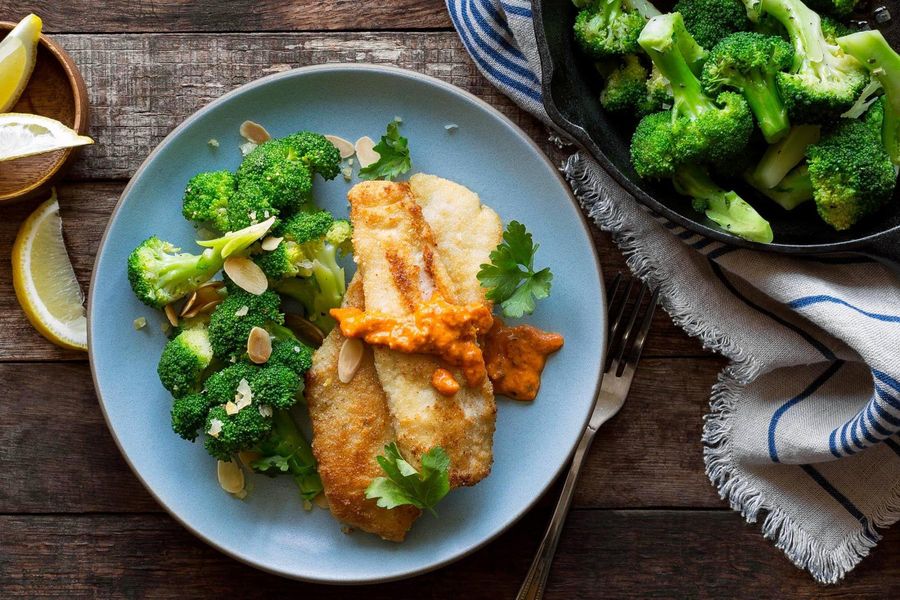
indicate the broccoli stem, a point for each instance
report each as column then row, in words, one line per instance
column 780, row 158
column 725, row 208
column 792, row 191
column 287, row 440
column 768, row 108
column 643, row 8
column 804, row 28
column 872, row 50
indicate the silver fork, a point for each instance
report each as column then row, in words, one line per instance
column 627, row 334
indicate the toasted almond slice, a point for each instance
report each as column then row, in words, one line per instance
column 270, row 243
column 246, row 274
column 231, row 476
column 365, row 151
column 205, row 295
column 306, row 329
column 259, row 345
column 189, row 304
column 171, row 314
column 202, row 309
column 254, row 132
column 349, row 359
column 216, row 285
column 344, row 146
column 215, row 428
column 231, row 408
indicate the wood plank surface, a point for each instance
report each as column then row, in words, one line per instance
column 56, row 454
column 618, row 555
column 231, row 15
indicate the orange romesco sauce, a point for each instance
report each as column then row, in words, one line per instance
column 442, row 380
column 437, row 327
column 515, row 358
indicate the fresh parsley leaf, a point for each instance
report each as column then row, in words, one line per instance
column 405, row 485
column 271, row 465
column 510, row 277
column 394, row 160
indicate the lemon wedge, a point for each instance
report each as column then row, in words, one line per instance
column 25, row 135
column 45, row 281
column 18, row 51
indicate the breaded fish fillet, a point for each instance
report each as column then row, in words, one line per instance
column 351, row 426
column 401, row 266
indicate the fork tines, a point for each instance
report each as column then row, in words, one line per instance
column 627, row 328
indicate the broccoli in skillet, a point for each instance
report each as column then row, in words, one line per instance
column 839, row 8
column 184, row 361
column 608, row 28
column 631, row 89
column 710, row 21
column 206, row 199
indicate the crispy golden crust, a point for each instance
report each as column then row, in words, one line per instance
column 351, row 426
column 402, row 266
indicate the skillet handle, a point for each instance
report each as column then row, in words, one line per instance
column 885, row 249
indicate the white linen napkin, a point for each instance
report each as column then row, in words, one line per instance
column 804, row 423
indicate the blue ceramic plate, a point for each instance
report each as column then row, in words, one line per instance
column 487, row 153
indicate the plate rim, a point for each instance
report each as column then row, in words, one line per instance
column 300, row 72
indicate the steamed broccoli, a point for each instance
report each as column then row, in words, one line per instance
column 823, row 81
column 293, row 354
column 631, row 89
column 277, row 172
column 232, row 320
column 286, row 451
column 184, row 360
column 221, row 386
column 206, row 199
column 725, row 208
column 314, row 149
column 840, row 8
column 697, row 129
column 851, row 172
column 159, row 274
column 780, row 158
column 608, row 28
column 749, row 62
column 792, row 191
column 873, row 51
column 189, row 415
column 710, row 21
column 275, row 385
column 229, row 434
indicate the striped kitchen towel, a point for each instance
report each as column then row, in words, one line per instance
column 804, row 423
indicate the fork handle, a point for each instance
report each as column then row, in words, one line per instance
column 536, row 579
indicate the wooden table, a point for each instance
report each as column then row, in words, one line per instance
column 75, row 522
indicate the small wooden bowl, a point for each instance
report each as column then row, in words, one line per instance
column 56, row 90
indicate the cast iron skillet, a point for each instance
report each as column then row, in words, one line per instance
column 571, row 88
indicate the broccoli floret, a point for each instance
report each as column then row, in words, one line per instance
column 314, row 149
column 780, row 158
column 237, row 432
column 309, row 252
column 698, row 128
column 246, row 208
column 189, row 415
column 277, row 173
column 728, row 210
column 710, row 21
column 292, row 354
column 823, row 81
column 608, row 28
column 206, row 199
column 183, row 361
column 873, row 51
column 840, row 8
column 832, row 29
column 790, row 192
column 852, row 174
column 748, row 62
column 286, row 451
column 221, row 386
column 232, row 320
column 276, row 386
column 631, row 89
column 160, row 274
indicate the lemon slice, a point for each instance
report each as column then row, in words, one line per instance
column 45, row 281
column 24, row 135
column 18, row 51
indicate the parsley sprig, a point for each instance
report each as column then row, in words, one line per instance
column 405, row 485
column 394, row 160
column 510, row 277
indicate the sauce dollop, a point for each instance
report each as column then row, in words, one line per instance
column 515, row 358
column 443, row 381
column 437, row 327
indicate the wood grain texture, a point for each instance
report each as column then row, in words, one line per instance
column 618, row 555
column 230, row 15
column 56, row 454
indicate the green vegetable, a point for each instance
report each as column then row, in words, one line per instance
column 510, row 277
column 184, row 361
column 285, row 451
column 232, row 320
column 189, row 415
column 780, row 158
column 275, row 385
column 793, row 190
column 840, row 8
column 725, row 208
column 711, row 21
column 393, row 152
column 608, row 28
column 630, row 89
column 240, row 431
column 292, row 354
column 748, row 62
column 405, row 485
column 275, row 172
column 221, row 386
column 159, row 274
column 206, row 199
column 314, row 149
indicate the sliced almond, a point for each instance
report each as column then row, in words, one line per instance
column 365, row 151
column 189, row 304
column 205, row 295
column 215, row 428
column 270, row 243
column 259, row 345
column 344, row 146
column 305, row 329
column 254, row 132
column 231, row 476
column 231, row 408
column 246, row 274
column 204, row 309
column 212, row 284
column 349, row 359
column 171, row 314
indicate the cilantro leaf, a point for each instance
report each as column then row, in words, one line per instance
column 393, row 150
column 405, row 485
column 510, row 277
